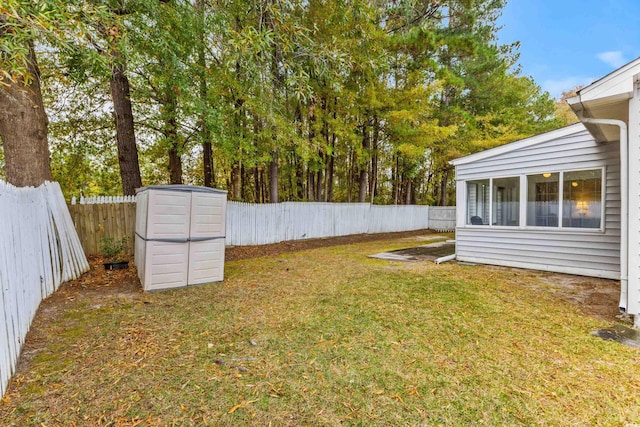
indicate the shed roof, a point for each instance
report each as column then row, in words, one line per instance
column 523, row 143
column 181, row 187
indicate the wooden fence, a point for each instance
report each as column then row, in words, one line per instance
column 96, row 222
column 39, row 250
column 258, row 224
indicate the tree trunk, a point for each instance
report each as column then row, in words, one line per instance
column 350, row 174
column 23, row 129
column 396, row 180
column 299, row 185
column 330, row 172
column 263, row 186
column 364, row 166
column 374, row 159
column 273, row 178
column 205, row 134
column 209, row 176
column 256, row 185
column 125, row 134
column 175, row 165
column 319, row 184
column 332, row 157
column 311, row 185
column 169, row 113
column 443, row 188
column 235, row 181
column 244, row 182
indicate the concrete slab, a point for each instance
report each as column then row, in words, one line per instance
column 620, row 333
column 429, row 252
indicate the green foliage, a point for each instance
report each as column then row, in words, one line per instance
column 341, row 92
column 112, row 248
column 63, row 24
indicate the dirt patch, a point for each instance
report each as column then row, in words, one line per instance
column 97, row 287
column 593, row 296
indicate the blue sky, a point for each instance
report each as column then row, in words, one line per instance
column 564, row 43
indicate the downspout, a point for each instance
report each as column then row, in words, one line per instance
column 624, row 202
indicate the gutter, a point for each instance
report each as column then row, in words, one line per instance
column 448, row 257
column 624, row 201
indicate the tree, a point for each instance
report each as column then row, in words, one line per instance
column 23, row 120
column 23, row 125
column 564, row 113
column 319, row 100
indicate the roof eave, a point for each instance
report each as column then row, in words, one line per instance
column 516, row 145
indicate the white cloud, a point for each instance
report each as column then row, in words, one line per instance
column 556, row 87
column 613, row 58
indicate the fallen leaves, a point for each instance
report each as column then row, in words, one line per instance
column 241, row 405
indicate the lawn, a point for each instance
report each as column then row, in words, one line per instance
column 325, row 337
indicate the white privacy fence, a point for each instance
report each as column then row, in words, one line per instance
column 442, row 218
column 258, row 224
column 100, row 200
column 39, row 250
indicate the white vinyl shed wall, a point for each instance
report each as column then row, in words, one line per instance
column 180, row 236
column 590, row 252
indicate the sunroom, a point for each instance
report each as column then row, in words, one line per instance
column 550, row 202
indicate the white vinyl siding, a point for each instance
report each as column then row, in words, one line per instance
column 594, row 252
column 633, row 305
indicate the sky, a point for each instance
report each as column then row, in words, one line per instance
column 565, row 43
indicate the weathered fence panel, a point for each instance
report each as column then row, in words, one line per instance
column 442, row 218
column 95, row 222
column 39, row 249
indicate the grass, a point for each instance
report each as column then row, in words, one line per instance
column 327, row 337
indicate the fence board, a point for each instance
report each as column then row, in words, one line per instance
column 39, row 249
column 95, row 222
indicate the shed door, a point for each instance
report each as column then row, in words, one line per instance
column 206, row 261
column 207, row 215
column 167, row 265
column 169, row 213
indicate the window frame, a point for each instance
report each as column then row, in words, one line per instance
column 524, row 198
column 466, row 202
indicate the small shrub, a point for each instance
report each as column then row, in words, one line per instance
column 111, row 248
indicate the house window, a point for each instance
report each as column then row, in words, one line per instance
column 581, row 195
column 478, row 205
column 506, row 201
column 582, row 199
column 542, row 199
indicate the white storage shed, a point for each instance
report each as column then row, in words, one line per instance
column 180, row 235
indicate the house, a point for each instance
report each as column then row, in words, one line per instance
column 565, row 201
